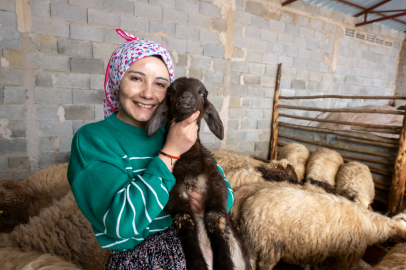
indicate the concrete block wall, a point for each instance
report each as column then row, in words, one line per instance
column 401, row 77
column 54, row 53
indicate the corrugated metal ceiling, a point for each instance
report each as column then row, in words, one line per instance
column 351, row 10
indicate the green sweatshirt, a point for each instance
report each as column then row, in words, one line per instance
column 119, row 184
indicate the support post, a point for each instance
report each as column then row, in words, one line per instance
column 397, row 189
column 273, row 145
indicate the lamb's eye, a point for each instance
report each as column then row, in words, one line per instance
column 203, row 95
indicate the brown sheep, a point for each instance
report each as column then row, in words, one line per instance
column 395, row 259
column 354, row 181
column 22, row 199
column 229, row 160
column 304, row 225
column 323, row 165
column 12, row 259
column 60, row 229
column 297, row 155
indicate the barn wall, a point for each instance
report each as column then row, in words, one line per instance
column 54, row 52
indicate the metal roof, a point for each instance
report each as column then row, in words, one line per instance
column 351, row 10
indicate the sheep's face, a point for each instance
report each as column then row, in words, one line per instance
column 401, row 218
column 184, row 97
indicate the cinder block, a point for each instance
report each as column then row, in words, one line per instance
column 102, row 18
column 237, row 136
column 175, row 44
column 219, row 64
column 324, row 86
column 79, row 112
column 275, row 47
column 74, row 47
column 247, row 147
column 316, row 76
column 3, row 159
column 156, row 27
column 12, row 112
column 285, row 39
column 49, row 112
column 232, row 146
column 164, row 3
column 252, row 32
column 267, row 81
column 16, row 146
column 214, row 76
column 256, row 91
column 43, row 78
column 148, row 11
column 235, row 102
column 174, row 15
column 291, row 51
column 285, row 83
column 260, row 22
column 54, row 128
column 259, row 45
column 255, row 68
column 71, row 80
column 194, row 47
column 8, row 5
column 254, row 56
column 51, row 62
column 239, row 66
column 198, row 20
column 303, row 75
column 18, row 162
column 47, row 159
column 239, row 90
column 189, row 6
column 252, row 79
column 187, row 32
column 98, row 112
column 265, row 103
column 286, row 60
column 48, row 144
column 88, row 97
column 213, row 50
column 312, row 65
column 86, row 32
column 69, row 12
column 298, row 84
column 232, row 125
column 11, row 77
column 103, row 51
column 87, row 65
column 255, row 113
column 252, row 135
column 268, row 35
column 220, row 25
column 209, row 10
column 292, row 29
column 199, row 61
column 53, row 96
column 242, row 17
column 13, row 58
column 236, row 113
column 14, row 95
column 209, row 36
column 124, row 6
column 316, row 24
column 9, row 39
column 248, row 124
column 8, row 20
column 254, row 7
column 18, row 128
column 87, row 3
column 278, row 26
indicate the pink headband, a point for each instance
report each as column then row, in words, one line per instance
column 121, row 59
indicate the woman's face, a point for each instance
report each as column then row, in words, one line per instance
column 142, row 88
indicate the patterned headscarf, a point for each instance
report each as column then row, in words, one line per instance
column 121, row 59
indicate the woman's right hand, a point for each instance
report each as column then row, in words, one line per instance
column 181, row 136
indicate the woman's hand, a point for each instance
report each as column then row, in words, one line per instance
column 196, row 202
column 181, row 136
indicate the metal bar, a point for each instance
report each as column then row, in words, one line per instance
column 342, row 97
column 361, row 7
column 377, row 11
column 372, row 8
column 288, row 2
column 382, row 19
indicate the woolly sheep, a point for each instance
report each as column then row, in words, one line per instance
column 60, row 229
column 22, row 199
column 249, row 175
column 229, row 160
column 297, row 155
column 395, row 259
column 12, row 259
column 354, row 181
column 304, row 225
column 323, row 165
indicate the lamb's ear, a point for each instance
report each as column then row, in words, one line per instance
column 213, row 120
column 159, row 118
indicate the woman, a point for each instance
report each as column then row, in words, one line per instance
column 119, row 183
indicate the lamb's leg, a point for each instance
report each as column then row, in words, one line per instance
column 218, row 229
column 187, row 233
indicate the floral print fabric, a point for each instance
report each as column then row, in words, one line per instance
column 121, row 59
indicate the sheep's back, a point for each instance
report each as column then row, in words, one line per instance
column 354, row 181
column 229, row 160
column 304, row 226
column 297, row 155
column 394, row 260
column 323, row 165
column 240, row 177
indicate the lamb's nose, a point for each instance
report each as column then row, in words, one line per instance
column 187, row 97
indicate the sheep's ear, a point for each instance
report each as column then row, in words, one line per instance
column 213, row 120
column 159, row 118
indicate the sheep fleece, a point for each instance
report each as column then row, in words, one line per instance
column 297, row 155
column 394, row 260
column 229, row 160
column 303, row 226
column 354, row 181
column 323, row 165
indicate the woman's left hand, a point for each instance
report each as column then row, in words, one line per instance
column 196, row 202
